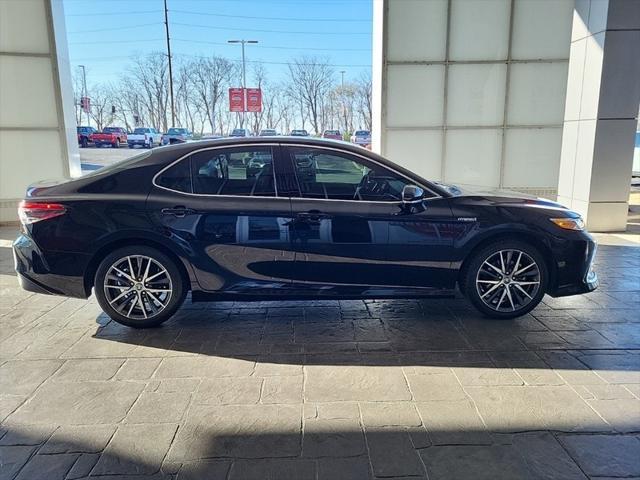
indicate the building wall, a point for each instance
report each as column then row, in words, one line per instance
column 37, row 127
column 601, row 112
column 473, row 91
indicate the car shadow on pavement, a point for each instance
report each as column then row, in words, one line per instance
column 294, row 445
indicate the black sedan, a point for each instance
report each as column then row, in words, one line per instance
column 200, row 217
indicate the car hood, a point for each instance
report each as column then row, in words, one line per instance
column 501, row 196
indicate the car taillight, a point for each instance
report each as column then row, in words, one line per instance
column 32, row 212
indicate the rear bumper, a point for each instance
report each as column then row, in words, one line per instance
column 138, row 142
column 52, row 273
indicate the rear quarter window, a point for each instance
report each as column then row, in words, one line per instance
column 177, row 177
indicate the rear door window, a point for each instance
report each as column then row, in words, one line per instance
column 245, row 171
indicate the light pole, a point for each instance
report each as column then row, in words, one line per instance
column 166, row 25
column 244, row 74
column 344, row 108
column 84, row 90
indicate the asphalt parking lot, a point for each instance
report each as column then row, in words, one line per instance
column 94, row 158
column 324, row 390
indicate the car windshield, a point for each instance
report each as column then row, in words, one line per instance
column 362, row 133
column 268, row 132
column 332, row 132
column 141, row 130
column 298, row 132
column 177, row 131
column 111, row 130
column 238, row 131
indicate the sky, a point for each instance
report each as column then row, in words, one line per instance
column 104, row 35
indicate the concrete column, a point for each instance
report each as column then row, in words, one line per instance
column 472, row 91
column 37, row 125
column 603, row 92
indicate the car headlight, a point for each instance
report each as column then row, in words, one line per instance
column 569, row 223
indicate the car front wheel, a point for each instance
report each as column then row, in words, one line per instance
column 505, row 279
column 139, row 286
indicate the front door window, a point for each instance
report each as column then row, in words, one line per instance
column 330, row 175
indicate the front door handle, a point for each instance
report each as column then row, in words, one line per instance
column 178, row 211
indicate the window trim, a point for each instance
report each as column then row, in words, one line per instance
column 274, row 154
column 278, row 157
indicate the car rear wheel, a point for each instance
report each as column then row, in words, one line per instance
column 505, row 279
column 139, row 286
column 116, row 144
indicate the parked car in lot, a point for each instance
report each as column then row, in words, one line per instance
column 144, row 232
column 299, row 133
column 240, row 132
column 113, row 136
column 332, row 134
column 362, row 138
column 268, row 132
column 176, row 135
column 144, row 137
column 211, row 136
column 84, row 136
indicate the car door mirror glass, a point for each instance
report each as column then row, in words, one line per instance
column 412, row 194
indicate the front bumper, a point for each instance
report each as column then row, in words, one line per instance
column 138, row 142
column 51, row 273
column 576, row 272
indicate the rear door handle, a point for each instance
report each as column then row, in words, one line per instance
column 178, row 211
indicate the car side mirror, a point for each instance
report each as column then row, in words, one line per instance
column 412, row 194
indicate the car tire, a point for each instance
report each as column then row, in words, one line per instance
column 139, row 304
column 132, row 145
column 505, row 279
column 116, row 144
column 84, row 142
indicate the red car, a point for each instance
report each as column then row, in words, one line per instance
column 113, row 136
column 332, row 134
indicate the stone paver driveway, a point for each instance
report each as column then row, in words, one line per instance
column 323, row 390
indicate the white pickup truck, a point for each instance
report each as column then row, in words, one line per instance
column 145, row 137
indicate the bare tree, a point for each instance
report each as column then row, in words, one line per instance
column 285, row 105
column 256, row 119
column 124, row 99
column 148, row 77
column 210, row 77
column 77, row 94
column 189, row 111
column 363, row 96
column 312, row 78
column 101, row 104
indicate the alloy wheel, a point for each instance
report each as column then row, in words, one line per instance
column 508, row 280
column 138, row 287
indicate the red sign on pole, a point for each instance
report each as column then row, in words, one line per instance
column 254, row 100
column 85, row 104
column 236, row 100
